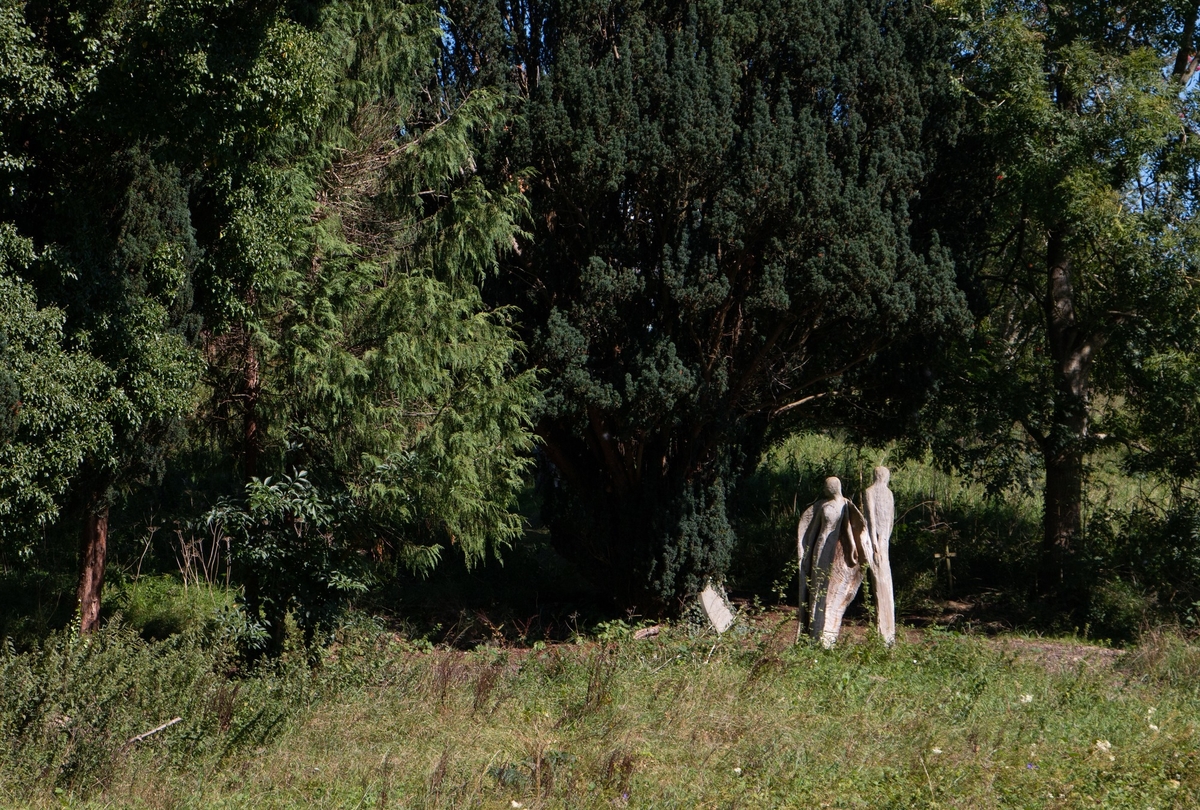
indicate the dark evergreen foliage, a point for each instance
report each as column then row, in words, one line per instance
column 721, row 232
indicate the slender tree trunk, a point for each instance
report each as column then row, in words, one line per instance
column 251, row 443
column 1063, row 448
column 93, row 555
column 250, row 429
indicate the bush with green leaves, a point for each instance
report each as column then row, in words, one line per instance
column 291, row 544
column 1145, row 562
column 159, row 607
column 53, row 403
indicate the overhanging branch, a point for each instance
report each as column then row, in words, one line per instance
column 802, row 401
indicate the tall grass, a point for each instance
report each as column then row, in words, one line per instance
column 71, row 707
column 678, row 721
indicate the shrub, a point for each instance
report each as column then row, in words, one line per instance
column 1146, row 555
column 161, row 606
column 71, row 706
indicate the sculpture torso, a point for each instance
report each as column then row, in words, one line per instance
column 832, row 543
column 832, row 513
column 880, row 509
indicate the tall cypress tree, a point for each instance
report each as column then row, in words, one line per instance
column 721, row 233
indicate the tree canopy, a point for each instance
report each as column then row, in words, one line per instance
column 1074, row 194
column 721, row 231
column 330, row 284
column 255, row 236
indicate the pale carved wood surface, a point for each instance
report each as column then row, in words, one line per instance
column 834, row 549
column 879, row 507
column 717, row 608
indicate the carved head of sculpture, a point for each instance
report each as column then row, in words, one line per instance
column 833, row 487
column 882, row 475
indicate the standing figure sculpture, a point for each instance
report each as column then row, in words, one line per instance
column 834, row 548
column 879, row 508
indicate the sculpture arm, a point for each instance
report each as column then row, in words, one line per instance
column 805, row 535
column 860, row 546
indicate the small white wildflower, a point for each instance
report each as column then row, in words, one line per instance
column 516, row 804
column 1154, row 728
column 737, row 771
column 936, row 751
column 1027, row 698
column 1150, row 712
column 914, row 660
column 1103, row 746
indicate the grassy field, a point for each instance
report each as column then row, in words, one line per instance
column 480, row 713
column 680, row 720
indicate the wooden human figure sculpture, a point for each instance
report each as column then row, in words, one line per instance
column 834, row 549
column 879, row 508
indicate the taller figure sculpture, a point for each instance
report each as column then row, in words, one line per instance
column 880, row 511
column 834, row 548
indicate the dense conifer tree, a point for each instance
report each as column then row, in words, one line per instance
column 359, row 349
column 721, row 232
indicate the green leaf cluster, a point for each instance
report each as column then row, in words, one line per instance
column 257, row 239
column 1077, row 132
column 53, row 402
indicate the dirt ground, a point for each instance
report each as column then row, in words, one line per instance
column 1056, row 655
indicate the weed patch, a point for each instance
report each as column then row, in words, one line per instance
column 942, row 720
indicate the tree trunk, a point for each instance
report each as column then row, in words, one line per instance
column 93, row 555
column 1184, row 67
column 644, row 520
column 1063, row 447
column 1063, row 515
column 251, row 444
column 250, row 434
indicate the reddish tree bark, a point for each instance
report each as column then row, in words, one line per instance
column 1184, row 60
column 92, row 559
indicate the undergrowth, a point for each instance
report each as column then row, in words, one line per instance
column 1137, row 563
column 71, row 707
column 678, row 720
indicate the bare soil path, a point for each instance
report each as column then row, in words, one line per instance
column 1056, row 655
